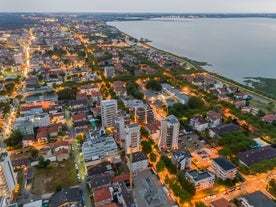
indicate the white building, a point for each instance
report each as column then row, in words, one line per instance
column 182, row 159
column 169, row 132
column 139, row 162
column 7, row 177
column 201, row 179
column 27, row 123
column 109, row 110
column 223, row 169
column 119, row 126
column 175, row 93
column 132, row 138
column 199, row 123
column 109, row 71
column 99, row 148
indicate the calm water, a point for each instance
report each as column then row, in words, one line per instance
column 235, row 48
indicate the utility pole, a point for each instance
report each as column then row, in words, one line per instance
column 130, row 168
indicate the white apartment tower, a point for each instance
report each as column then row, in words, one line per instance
column 169, row 133
column 132, row 139
column 7, row 177
column 109, row 110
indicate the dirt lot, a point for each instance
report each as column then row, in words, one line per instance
column 56, row 174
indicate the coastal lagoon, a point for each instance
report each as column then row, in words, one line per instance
column 234, row 47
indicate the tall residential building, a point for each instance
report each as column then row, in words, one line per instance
column 133, row 138
column 120, row 121
column 109, row 110
column 143, row 114
column 169, row 132
column 7, row 177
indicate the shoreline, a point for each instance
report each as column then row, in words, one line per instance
column 259, row 94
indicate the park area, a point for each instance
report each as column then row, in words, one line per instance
column 54, row 177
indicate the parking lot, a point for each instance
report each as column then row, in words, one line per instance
column 192, row 142
column 148, row 191
column 203, row 157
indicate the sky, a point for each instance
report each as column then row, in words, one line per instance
column 183, row 6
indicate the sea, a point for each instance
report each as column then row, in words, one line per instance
column 234, row 47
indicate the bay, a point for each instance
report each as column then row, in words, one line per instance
column 235, row 47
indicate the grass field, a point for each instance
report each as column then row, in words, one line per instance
column 56, row 174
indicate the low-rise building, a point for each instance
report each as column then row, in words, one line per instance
column 182, row 159
column 102, row 196
column 201, row 179
column 256, row 155
column 223, row 169
column 257, row 199
column 139, row 162
column 222, row 202
column 199, row 123
column 99, row 148
column 216, row 132
column 176, row 94
column 67, row 197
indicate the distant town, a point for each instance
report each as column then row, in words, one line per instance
column 90, row 116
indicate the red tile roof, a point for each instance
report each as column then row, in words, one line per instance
column 42, row 129
column 62, row 151
column 102, row 194
column 42, row 134
column 28, row 137
column 96, row 93
column 78, row 116
column 54, row 128
column 153, row 127
column 59, row 144
column 269, row 118
column 120, row 178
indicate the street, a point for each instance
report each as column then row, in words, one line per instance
column 77, row 159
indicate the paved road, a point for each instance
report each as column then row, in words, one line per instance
column 78, row 159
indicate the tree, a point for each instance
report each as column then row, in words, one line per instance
column 144, row 132
column 42, row 163
column 160, row 166
column 15, row 140
column 153, row 85
column 195, row 103
column 272, row 187
column 67, row 94
column 169, row 164
column 34, row 153
column 58, row 188
column 200, row 204
column 225, row 152
column 146, row 147
column 152, row 157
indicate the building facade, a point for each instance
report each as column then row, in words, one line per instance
column 201, row 179
column 7, row 177
column 182, row 159
column 99, row 148
column 169, row 133
column 132, row 138
column 109, row 110
column 223, row 169
column 143, row 114
column 139, row 162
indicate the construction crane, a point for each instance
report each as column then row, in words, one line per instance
column 130, row 167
